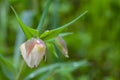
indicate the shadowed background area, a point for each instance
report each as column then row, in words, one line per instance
column 94, row 46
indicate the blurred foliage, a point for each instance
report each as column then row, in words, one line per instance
column 94, row 46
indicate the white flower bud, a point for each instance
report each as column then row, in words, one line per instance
column 33, row 50
column 62, row 45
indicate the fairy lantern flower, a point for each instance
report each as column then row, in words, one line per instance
column 33, row 50
column 62, row 45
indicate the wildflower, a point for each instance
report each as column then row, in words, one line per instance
column 33, row 50
column 62, row 45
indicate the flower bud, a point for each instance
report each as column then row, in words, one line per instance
column 33, row 50
column 62, row 45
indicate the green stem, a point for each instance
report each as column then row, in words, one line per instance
column 55, row 14
column 40, row 26
column 20, row 71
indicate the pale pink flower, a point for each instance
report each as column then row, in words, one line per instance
column 62, row 45
column 33, row 50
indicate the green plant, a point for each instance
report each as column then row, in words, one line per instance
column 13, row 71
column 48, row 36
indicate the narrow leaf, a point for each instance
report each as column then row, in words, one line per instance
column 29, row 32
column 40, row 26
column 53, row 33
column 57, row 66
column 7, row 67
column 65, row 34
column 61, row 34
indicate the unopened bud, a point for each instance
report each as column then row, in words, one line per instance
column 62, row 45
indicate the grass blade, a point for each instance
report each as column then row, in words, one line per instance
column 40, row 26
column 57, row 66
column 7, row 67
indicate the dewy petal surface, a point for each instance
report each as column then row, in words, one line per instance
column 37, row 51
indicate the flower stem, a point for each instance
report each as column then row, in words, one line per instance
column 40, row 26
column 20, row 71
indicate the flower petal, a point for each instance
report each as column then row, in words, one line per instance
column 29, row 45
column 36, row 54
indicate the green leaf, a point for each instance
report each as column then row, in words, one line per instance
column 65, row 34
column 7, row 67
column 53, row 33
column 29, row 32
column 61, row 34
column 58, row 66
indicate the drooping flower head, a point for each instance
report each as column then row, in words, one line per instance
column 62, row 45
column 33, row 50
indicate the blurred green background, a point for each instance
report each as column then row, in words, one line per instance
column 94, row 46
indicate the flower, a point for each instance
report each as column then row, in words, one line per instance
column 33, row 50
column 62, row 45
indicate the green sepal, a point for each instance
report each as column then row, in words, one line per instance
column 29, row 32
